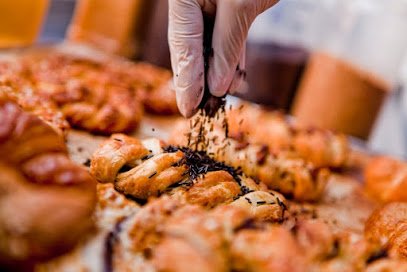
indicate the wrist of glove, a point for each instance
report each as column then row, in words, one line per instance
column 227, row 63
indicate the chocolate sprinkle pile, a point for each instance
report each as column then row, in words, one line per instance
column 199, row 163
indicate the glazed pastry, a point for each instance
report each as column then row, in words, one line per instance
column 387, row 226
column 212, row 189
column 262, row 205
column 282, row 253
column 101, row 97
column 90, row 97
column 47, row 201
column 152, row 171
column 386, row 179
column 20, row 91
column 284, row 172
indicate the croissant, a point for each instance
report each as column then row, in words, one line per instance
column 46, row 201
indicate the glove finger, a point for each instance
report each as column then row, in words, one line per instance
column 185, row 37
column 232, row 23
column 239, row 84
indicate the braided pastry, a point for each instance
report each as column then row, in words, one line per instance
column 282, row 171
column 222, row 230
column 101, row 97
column 141, row 169
column 20, row 90
column 90, row 97
column 46, row 201
column 321, row 147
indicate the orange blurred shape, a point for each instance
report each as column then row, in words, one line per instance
column 21, row 21
column 110, row 25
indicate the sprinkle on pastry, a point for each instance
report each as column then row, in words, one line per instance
column 47, row 201
column 263, row 205
column 321, row 147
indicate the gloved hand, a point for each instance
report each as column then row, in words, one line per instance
column 226, row 65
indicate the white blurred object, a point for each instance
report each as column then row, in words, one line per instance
column 290, row 22
column 370, row 34
column 390, row 133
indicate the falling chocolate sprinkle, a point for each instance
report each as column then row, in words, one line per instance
column 241, row 145
column 261, row 155
column 87, row 163
column 211, row 104
column 248, row 200
column 152, row 175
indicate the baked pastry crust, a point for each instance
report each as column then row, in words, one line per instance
column 386, row 179
column 322, row 148
column 218, row 221
column 101, row 97
column 283, row 171
column 388, row 227
column 46, row 201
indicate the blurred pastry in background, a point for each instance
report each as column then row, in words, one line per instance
column 46, row 201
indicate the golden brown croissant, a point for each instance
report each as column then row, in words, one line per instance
column 386, row 179
column 46, row 201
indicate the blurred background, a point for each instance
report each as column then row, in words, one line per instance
column 339, row 64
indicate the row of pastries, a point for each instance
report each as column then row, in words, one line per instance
column 250, row 201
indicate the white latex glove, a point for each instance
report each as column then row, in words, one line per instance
column 226, row 66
